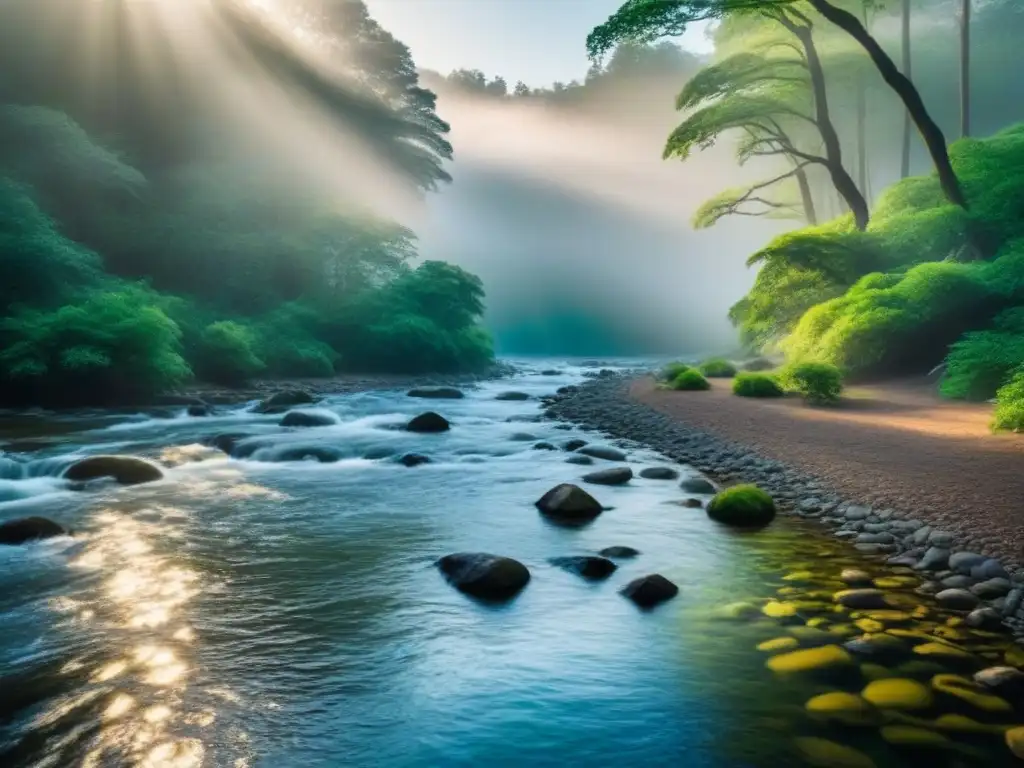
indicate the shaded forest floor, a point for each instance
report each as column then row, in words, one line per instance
column 893, row 444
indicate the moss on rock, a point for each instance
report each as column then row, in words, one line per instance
column 745, row 506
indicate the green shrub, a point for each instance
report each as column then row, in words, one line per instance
column 756, row 385
column 745, row 506
column 690, row 380
column 982, row 361
column 818, row 383
column 115, row 346
column 226, row 354
column 717, row 368
column 759, row 364
column 670, row 371
column 1009, row 413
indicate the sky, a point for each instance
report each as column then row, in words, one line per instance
column 536, row 41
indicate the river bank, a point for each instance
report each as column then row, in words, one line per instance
column 962, row 547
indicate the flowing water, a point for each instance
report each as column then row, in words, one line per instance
column 281, row 612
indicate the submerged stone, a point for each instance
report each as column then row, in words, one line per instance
column 589, row 567
column 738, row 611
column 602, row 452
column 810, row 660
column 913, row 736
column 970, row 692
column 861, row 599
column 437, row 393
column 26, row 529
column 619, row 552
column 126, row 470
column 776, row 609
column 964, row 724
column 898, row 693
column 428, row 422
column 610, row 476
column 698, row 485
column 486, row 576
column 659, row 473
column 828, row 754
column 1006, row 681
column 846, row 708
column 309, row 419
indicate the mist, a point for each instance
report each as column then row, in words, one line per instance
column 581, row 232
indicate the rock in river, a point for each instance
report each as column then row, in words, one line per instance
column 226, row 441
column 512, row 396
column 649, row 591
column 619, row 552
column 659, row 473
column 577, row 459
column 437, row 393
column 602, row 452
column 489, row 577
column 861, row 599
column 309, row 419
column 587, row 566
column 570, row 503
column 428, row 422
column 414, row 459
column 611, row 476
column 282, row 401
column 697, row 485
column 574, row 444
column 29, row 529
column 127, row 470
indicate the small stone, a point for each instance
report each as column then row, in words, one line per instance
column 810, row 660
column 578, row 459
column 1006, row 681
column 935, row 559
column 1015, row 741
column 959, row 581
column 428, row 422
column 649, row 591
column 971, row 693
column 845, row 708
column 957, row 599
column 659, row 473
column 992, row 588
column 619, row 552
column 573, row 445
column 543, row 445
column 963, row 562
column 984, row 618
column 990, row 569
column 921, row 535
column 861, row 599
column 855, row 577
column 940, row 539
column 898, row 693
column 914, row 737
column 857, row 513
column 414, row 459
column 589, row 567
column 1013, row 601
column 697, row 485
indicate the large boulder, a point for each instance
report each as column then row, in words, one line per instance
column 428, row 422
column 280, row 402
column 569, row 503
column 512, row 396
column 309, row 419
column 488, row 577
column 27, row 529
column 437, row 393
column 610, row 476
column 743, row 506
column 587, row 566
column 602, row 452
column 127, row 470
column 649, row 591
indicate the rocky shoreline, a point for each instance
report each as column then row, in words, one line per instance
column 990, row 590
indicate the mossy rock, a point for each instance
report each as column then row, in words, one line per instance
column 914, row 737
column 899, row 694
column 828, row 754
column 740, row 611
column 1015, row 741
column 779, row 644
column 776, row 609
column 945, row 652
column 963, row 724
column 970, row 693
column 126, row 470
column 826, row 657
column 841, row 707
column 896, row 582
column 873, row 672
column 743, row 506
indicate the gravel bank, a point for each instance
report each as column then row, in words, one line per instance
column 967, row 559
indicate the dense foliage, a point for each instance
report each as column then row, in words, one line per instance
column 757, row 385
column 163, row 252
column 818, row 383
column 1009, row 414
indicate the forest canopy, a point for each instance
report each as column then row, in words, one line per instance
column 151, row 233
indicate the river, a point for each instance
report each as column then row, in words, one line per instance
column 271, row 612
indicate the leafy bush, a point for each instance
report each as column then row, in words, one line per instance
column 818, row 383
column 690, row 380
column 756, row 385
column 1009, row 413
column 114, row 346
column 744, row 506
column 718, row 368
column 226, row 354
column 670, row 371
column 982, row 361
column 289, row 344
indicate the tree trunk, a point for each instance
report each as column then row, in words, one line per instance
column 965, row 68
column 930, row 131
column 810, row 214
column 862, row 125
column 908, row 69
column 844, row 183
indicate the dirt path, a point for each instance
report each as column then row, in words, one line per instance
column 894, row 444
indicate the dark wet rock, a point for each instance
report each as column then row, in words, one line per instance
column 957, row 581
column 875, row 538
column 963, row 562
column 692, row 503
column 905, row 559
column 659, row 473
column 856, row 512
column 942, row 539
column 610, row 476
column 512, row 396
column 935, row 559
column 226, row 441
column 488, row 577
column 437, row 393
column 862, row 599
column 619, row 552
column 414, row 459
column 27, row 529
column 198, row 411
column 984, row 618
column 649, row 591
column 602, row 452
column 587, row 566
column 1013, row 601
column 1007, row 682
column 309, row 419
column 126, row 470
column 855, row 577
column 375, row 454
column 282, row 401
column 551, row 372
column 569, row 503
column 992, row 588
column 428, row 422
column 957, row 599
column 544, row 445
column 325, row 454
column 578, row 459
column 523, row 437
column 697, row 485
column 878, row 647
column 990, row 569
column 573, row 445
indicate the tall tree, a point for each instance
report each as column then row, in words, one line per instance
column 653, row 19
column 965, row 68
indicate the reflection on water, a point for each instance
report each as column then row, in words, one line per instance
column 267, row 611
